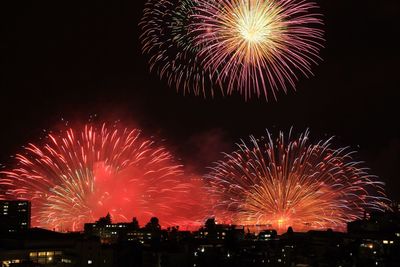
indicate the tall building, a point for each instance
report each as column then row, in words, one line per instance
column 15, row 215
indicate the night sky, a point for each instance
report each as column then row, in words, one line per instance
column 75, row 59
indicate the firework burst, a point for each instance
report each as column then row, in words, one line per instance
column 257, row 46
column 168, row 41
column 292, row 183
column 78, row 175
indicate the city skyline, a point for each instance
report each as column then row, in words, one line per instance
column 83, row 68
column 199, row 133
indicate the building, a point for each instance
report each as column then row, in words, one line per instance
column 40, row 247
column 109, row 233
column 113, row 233
column 267, row 235
column 220, row 232
column 377, row 238
column 15, row 215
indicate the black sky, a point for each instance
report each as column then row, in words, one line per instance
column 73, row 59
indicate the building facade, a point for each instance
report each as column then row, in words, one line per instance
column 15, row 215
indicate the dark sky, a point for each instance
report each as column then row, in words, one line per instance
column 73, row 59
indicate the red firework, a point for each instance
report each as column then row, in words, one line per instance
column 81, row 174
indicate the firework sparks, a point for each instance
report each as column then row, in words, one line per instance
column 293, row 183
column 167, row 40
column 81, row 174
column 257, row 46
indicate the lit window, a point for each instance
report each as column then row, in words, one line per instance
column 33, row 254
column 385, row 242
column 42, row 254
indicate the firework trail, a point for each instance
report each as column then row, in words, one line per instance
column 167, row 40
column 257, row 47
column 292, row 182
column 81, row 174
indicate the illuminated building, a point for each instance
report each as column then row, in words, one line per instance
column 214, row 231
column 40, row 247
column 267, row 235
column 112, row 233
column 109, row 233
column 15, row 215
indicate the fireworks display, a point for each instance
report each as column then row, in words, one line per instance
column 253, row 47
column 168, row 41
column 79, row 175
column 292, row 182
column 258, row 46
